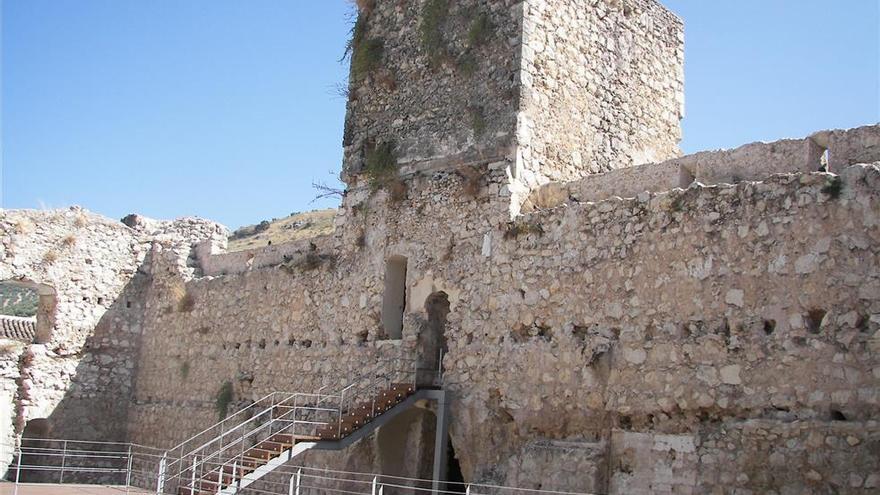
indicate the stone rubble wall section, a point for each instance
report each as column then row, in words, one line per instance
column 86, row 369
column 752, row 162
column 602, row 87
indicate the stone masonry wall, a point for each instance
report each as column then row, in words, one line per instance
column 649, row 345
column 454, row 99
column 602, row 87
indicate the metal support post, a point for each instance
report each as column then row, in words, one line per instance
column 299, row 473
column 441, row 440
column 160, row 482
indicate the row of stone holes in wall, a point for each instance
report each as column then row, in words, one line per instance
column 813, row 320
column 581, row 333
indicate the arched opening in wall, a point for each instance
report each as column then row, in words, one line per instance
column 394, row 300
column 27, row 311
column 432, row 340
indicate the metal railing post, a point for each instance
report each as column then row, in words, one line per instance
column 299, row 473
column 192, row 487
column 440, row 369
column 63, row 458
column 293, row 419
column 160, row 482
column 415, row 373
column 128, row 469
column 236, row 479
column 220, row 478
column 375, row 482
column 17, row 469
column 341, row 400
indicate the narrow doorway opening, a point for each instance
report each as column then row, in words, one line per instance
column 394, row 301
column 432, row 340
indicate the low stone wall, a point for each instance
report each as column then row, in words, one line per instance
column 218, row 264
column 752, row 162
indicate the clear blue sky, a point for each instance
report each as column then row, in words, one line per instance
column 225, row 108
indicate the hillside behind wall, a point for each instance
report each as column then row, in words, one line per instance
column 697, row 341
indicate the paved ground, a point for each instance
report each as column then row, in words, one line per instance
column 7, row 488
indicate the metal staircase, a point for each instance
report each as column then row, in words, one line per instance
column 259, row 438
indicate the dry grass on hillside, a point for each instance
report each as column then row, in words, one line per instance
column 280, row 230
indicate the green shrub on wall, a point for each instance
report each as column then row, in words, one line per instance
column 366, row 53
column 431, row 29
column 381, row 165
column 224, row 399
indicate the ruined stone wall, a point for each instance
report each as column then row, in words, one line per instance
column 452, row 98
column 602, row 87
column 82, row 365
column 75, row 372
column 652, row 344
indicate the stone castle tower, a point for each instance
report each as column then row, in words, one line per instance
column 555, row 89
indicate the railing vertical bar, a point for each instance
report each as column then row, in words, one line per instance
column 160, row 481
column 236, row 478
column 17, row 469
column 63, row 458
column 192, row 487
column 128, row 469
column 299, row 473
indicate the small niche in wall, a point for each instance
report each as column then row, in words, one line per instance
column 394, row 300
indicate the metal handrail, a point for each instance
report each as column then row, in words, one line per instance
column 208, row 458
column 229, row 445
